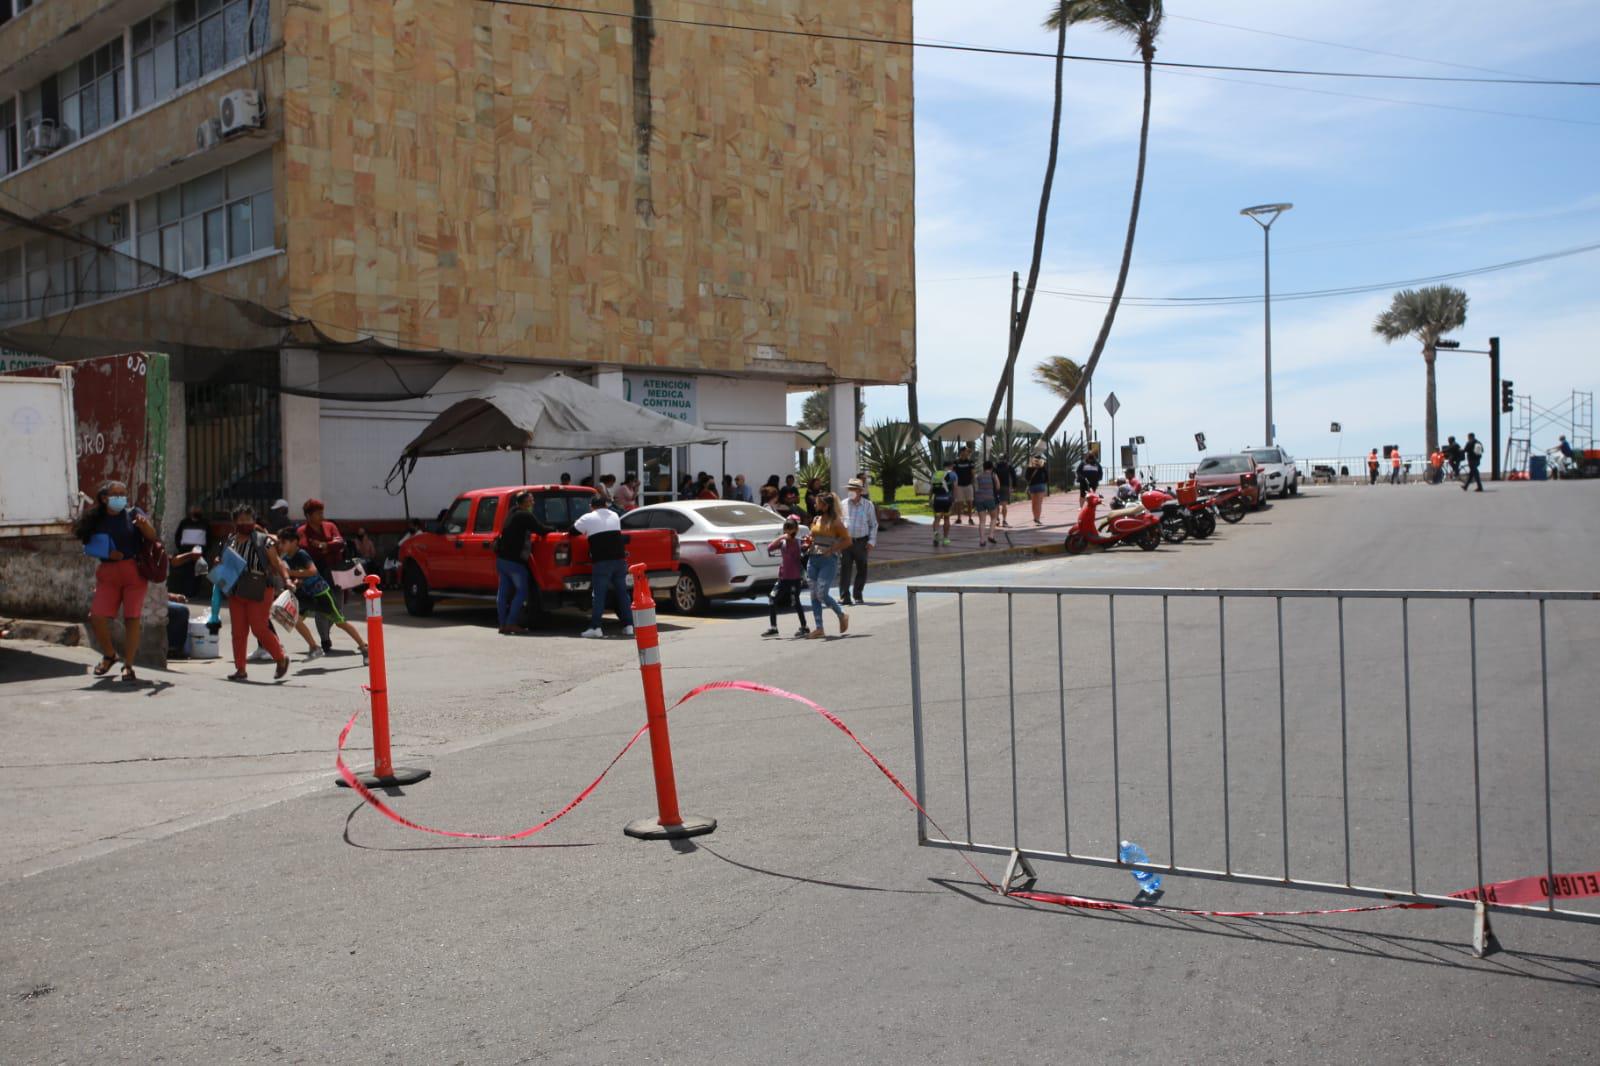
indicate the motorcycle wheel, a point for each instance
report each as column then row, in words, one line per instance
column 1205, row 524
column 1149, row 540
column 1175, row 531
column 1233, row 510
column 1076, row 543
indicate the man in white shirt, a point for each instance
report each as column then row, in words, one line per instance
column 861, row 518
column 608, row 556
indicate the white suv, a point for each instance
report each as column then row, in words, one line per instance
column 1278, row 472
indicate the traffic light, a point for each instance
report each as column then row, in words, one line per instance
column 1447, row 344
column 1506, row 397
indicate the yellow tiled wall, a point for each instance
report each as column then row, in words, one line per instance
column 468, row 176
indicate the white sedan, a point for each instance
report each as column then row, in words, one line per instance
column 722, row 548
column 1279, row 475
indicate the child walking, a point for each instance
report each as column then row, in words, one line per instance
column 314, row 594
column 791, row 579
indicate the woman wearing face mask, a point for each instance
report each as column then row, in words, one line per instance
column 250, row 602
column 113, row 532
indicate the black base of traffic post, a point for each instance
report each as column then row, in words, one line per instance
column 403, row 775
column 652, row 829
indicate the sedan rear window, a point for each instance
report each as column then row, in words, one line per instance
column 734, row 515
column 1267, row 455
column 1224, row 464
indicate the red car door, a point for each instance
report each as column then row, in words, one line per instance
column 445, row 566
column 476, row 546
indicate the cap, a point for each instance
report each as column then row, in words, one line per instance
column 280, row 503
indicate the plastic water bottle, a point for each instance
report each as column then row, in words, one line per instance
column 1149, row 883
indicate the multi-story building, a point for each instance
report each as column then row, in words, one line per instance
column 294, row 200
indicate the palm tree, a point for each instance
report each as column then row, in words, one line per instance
column 1141, row 20
column 1020, row 326
column 1426, row 314
column 1061, row 375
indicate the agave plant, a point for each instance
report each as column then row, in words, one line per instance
column 816, row 468
column 1062, row 457
column 893, row 453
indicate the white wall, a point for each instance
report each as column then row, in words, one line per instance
column 360, row 443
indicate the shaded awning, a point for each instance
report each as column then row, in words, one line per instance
column 552, row 419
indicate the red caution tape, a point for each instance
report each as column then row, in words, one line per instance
column 1522, row 890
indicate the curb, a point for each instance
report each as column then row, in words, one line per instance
column 942, row 564
column 67, row 634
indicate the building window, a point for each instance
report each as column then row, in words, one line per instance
column 214, row 219
column 9, row 159
column 190, row 39
column 50, row 274
column 90, row 91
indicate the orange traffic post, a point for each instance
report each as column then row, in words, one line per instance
column 383, row 772
column 668, row 824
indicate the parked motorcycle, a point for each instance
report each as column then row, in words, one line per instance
column 1177, row 522
column 1142, row 528
column 1227, row 504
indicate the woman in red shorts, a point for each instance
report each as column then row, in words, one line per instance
column 114, row 532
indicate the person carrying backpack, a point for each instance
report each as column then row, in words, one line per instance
column 1474, row 450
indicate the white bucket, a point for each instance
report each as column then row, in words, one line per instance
column 204, row 644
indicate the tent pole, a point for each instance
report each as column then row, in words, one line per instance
column 404, row 495
column 724, row 480
column 524, row 466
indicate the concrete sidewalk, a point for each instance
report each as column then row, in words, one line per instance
column 907, row 549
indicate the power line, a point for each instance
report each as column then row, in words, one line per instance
column 1028, row 53
column 1346, row 47
column 1384, row 99
column 1317, row 294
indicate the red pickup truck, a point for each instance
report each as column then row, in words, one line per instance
column 456, row 559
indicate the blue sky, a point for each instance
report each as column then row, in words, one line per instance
column 1384, row 189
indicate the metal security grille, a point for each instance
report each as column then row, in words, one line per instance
column 1408, row 745
column 235, row 447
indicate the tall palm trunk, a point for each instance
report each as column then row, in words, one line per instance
column 911, row 408
column 1429, row 354
column 1014, row 343
column 1149, row 54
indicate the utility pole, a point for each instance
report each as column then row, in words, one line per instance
column 1494, row 408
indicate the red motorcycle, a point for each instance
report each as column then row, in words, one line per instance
column 1227, row 504
column 1141, row 528
column 1180, row 519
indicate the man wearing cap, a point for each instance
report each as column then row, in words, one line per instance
column 861, row 519
column 278, row 518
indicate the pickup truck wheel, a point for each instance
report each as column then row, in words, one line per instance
column 419, row 604
column 687, row 596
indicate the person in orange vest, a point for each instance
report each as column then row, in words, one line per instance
column 1372, row 467
column 1436, row 467
column 1394, row 467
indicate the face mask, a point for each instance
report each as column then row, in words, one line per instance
column 116, row 504
column 245, row 528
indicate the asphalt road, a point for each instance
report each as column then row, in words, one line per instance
column 212, row 901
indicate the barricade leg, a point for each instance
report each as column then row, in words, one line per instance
column 668, row 824
column 384, row 773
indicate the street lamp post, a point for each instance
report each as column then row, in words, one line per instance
column 1269, row 213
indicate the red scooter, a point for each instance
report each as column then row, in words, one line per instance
column 1143, row 529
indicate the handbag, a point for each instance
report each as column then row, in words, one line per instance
column 286, row 609
column 152, row 562
column 352, row 576
column 252, row 585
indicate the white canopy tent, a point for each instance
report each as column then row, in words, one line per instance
column 552, row 419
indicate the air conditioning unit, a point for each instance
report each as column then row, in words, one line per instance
column 207, row 134
column 43, row 139
column 239, row 110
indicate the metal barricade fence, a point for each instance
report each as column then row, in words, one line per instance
column 1453, row 696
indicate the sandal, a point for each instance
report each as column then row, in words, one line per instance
column 283, row 669
column 128, row 674
column 106, row 663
